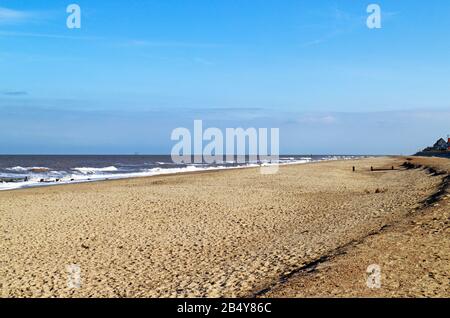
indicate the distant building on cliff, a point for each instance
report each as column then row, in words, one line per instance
column 441, row 144
column 440, row 148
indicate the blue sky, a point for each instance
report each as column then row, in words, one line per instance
column 138, row 69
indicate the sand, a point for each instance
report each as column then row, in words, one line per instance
column 232, row 233
column 413, row 255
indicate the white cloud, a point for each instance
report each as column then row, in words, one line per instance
column 10, row 16
column 145, row 43
column 46, row 35
column 317, row 119
column 203, row 61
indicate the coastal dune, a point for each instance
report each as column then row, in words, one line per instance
column 211, row 234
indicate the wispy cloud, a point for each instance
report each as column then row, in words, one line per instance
column 122, row 43
column 203, row 61
column 147, row 43
column 11, row 16
column 317, row 119
column 46, row 35
column 13, row 93
column 321, row 39
column 340, row 23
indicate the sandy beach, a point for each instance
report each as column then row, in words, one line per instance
column 234, row 233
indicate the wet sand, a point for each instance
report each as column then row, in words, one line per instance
column 223, row 233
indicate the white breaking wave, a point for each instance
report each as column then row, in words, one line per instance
column 89, row 170
column 89, row 174
column 26, row 169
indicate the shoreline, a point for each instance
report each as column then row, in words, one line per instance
column 202, row 234
column 136, row 176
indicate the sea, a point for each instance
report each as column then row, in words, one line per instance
column 23, row 171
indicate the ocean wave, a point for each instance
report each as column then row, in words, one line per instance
column 90, row 170
column 89, row 174
column 28, row 169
